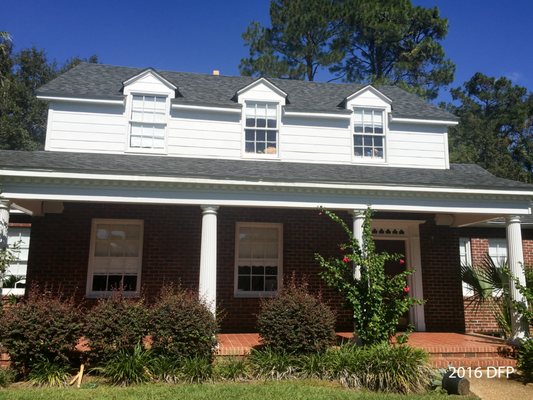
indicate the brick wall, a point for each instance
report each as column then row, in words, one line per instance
column 480, row 318
column 60, row 250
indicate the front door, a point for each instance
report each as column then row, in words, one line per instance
column 393, row 268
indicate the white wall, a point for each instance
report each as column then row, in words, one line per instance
column 85, row 127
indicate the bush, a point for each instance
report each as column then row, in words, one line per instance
column 269, row 364
column 50, row 374
column 525, row 359
column 296, row 322
column 128, row 366
column 231, row 369
column 43, row 328
column 182, row 326
column 115, row 324
column 7, row 376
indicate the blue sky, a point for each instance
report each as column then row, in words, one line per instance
column 490, row 36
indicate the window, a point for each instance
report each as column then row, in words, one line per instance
column 466, row 259
column 261, row 130
column 258, row 259
column 148, row 122
column 14, row 281
column 498, row 251
column 115, row 256
column 369, row 134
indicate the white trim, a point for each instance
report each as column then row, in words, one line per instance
column 81, row 100
column 206, row 108
column 89, row 293
column 373, row 90
column 260, row 156
column 315, row 115
column 265, row 81
column 423, row 121
column 153, row 72
column 255, row 294
column 229, row 182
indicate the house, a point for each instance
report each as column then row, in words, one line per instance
column 150, row 177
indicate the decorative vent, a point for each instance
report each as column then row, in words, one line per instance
column 388, row 231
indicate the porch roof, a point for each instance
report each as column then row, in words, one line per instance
column 463, row 176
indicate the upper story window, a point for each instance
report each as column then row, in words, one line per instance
column 369, row 134
column 261, row 128
column 148, row 122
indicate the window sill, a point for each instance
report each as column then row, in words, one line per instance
column 147, row 151
column 106, row 295
column 254, row 295
column 372, row 161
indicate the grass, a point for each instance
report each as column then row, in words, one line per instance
column 287, row 390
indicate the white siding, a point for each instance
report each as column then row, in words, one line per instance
column 201, row 133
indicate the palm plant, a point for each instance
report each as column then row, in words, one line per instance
column 489, row 285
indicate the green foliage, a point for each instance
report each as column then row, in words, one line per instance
column 231, row 369
column 525, row 308
column 128, row 366
column 166, row 369
column 378, row 301
column 392, row 41
column 525, row 359
column 196, row 369
column 22, row 115
column 113, row 325
column 182, row 326
column 295, row 321
column 43, row 328
column 297, row 43
column 49, row 374
column 7, row 377
column 269, row 364
column 496, row 127
column 7, row 256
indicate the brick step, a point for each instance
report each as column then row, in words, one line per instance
column 472, row 362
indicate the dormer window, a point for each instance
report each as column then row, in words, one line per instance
column 369, row 134
column 261, row 128
column 148, row 122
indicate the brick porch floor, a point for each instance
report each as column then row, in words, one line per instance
column 466, row 350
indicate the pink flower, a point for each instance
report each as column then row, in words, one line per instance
column 402, row 262
column 320, row 213
column 406, row 289
column 345, row 260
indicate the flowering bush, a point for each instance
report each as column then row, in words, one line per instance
column 378, row 301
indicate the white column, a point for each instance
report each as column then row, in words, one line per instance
column 358, row 221
column 515, row 257
column 4, row 222
column 208, row 258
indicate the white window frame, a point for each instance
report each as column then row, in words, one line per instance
column 363, row 159
column 265, row 156
column 465, row 252
column 129, row 114
column 497, row 249
column 24, row 247
column 90, row 270
column 255, row 294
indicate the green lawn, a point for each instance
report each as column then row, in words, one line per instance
column 289, row 390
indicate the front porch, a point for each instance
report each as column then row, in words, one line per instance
column 444, row 348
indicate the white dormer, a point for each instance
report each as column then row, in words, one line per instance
column 261, row 118
column 369, row 124
column 148, row 97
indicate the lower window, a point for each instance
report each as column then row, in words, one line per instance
column 258, row 259
column 115, row 258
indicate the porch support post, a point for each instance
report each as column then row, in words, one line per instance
column 515, row 256
column 358, row 220
column 208, row 258
column 4, row 222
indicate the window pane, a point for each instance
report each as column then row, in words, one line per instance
column 261, row 123
column 271, row 283
column 271, row 270
column 358, row 140
column 101, row 248
column 258, row 283
column 249, row 147
column 358, row 128
column 250, row 122
column 367, row 140
column 243, row 283
column 99, row 283
column 260, row 148
column 130, row 283
column 258, row 270
column 272, row 123
column 250, row 135
column 271, row 136
column 260, row 136
column 245, row 270
column 358, row 151
column 114, row 282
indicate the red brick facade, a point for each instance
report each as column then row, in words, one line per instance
column 60, row 250
column 480, row 318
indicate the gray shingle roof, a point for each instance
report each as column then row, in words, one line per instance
column 458, row 176
column 105, row 81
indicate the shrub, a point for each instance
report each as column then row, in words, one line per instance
column 269, row 364
column 386, row 368
column 42, row 328
column 128, row 366
column 166, row 369
column 7, row 376
column 231, row 369
column 296, row 322
column 181, row 325
column 50, row 374
column 115, row 324
column 525, row 359
column 196, row 369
